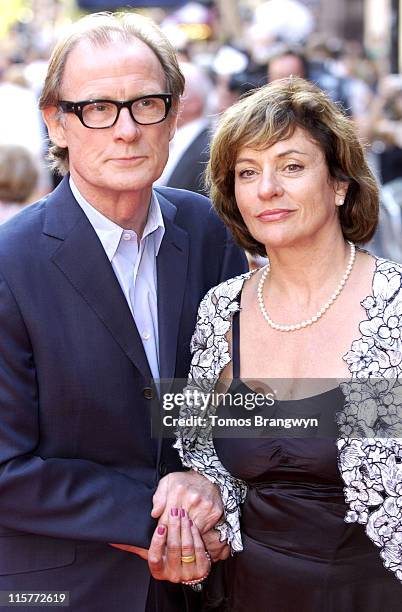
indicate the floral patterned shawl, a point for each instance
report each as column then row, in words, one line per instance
column 370, row 424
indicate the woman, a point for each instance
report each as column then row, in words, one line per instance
column 289, row 177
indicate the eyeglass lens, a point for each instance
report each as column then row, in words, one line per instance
column 103, row 114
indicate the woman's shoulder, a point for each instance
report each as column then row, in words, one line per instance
column 387, row 265
column 226, row 292
column 387, row 281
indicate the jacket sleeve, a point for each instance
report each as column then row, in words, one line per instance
column 55, row 496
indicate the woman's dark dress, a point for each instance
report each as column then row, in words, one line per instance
column 299, row 554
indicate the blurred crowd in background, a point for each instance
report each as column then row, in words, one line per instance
column 226, row 48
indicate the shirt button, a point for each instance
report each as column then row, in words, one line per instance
column 146, row 335
column 126, row 237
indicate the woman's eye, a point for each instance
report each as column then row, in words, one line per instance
column 246, row 173
column 293, row 167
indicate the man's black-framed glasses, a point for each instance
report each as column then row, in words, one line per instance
column 101, row 114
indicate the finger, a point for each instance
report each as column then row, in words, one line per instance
column 225, row 553
column 219, row 553
column 164, row 516
column 206, row 514
column 189, row 569
column 156, row 552
column 173, row 546
column 202, row 562
column 160, row 498
column 168, row 496
column 136, row 550
column 217, row 549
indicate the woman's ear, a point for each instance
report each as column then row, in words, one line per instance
column 340, row 192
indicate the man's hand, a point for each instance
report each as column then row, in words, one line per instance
column 172, row 545
column 136, row 550
column 219, row 551
column 189, row 490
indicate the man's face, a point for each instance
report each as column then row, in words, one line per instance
column 125, row 158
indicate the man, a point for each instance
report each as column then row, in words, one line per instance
column 189, row 149
column 99, row 287
column 287, row 61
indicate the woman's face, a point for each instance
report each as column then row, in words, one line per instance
column 285, row 194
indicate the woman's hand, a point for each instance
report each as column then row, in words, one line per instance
column 177, row 552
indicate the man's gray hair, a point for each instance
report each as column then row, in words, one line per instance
column 101, row 29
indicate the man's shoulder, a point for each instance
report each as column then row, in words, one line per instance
column 184, row 198
column 28, row 222
column 190, row 209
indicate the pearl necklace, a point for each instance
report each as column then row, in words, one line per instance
column 318, row 315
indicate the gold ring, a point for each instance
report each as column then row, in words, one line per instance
column 188, row 559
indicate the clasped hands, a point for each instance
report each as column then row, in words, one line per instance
column 187, row 507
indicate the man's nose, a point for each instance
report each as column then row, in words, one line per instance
column 269, row 185
column 125, row 127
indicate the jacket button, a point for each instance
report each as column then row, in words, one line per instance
column 163, row 468
column 148, row 393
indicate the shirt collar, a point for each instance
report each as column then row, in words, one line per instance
column 109, row 233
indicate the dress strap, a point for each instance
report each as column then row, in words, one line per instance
column 236, row 344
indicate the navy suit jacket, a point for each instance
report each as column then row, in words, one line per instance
column 190, row 168
column 78, row 466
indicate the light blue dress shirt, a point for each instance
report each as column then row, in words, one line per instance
column 135, row 267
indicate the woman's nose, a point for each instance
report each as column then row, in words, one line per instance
column 269, row 185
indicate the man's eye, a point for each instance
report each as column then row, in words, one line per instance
column 101, row 108
column 147, row 103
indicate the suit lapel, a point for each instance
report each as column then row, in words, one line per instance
column 82, row 259
column 172, row 264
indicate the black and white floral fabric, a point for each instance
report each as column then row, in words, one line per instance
column 370, row 449
column 370, row 424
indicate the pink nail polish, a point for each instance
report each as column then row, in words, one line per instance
column 174, row 512
column 161, row 530
column 182, row 512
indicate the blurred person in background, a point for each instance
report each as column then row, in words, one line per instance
column 229, row 71
column 287, row 61
column 386, row 151
column 189, row 149
column 20, row 120
column 18, row 180
column 386, row 128
column 334, row 57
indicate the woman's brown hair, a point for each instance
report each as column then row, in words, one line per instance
column 272, row 113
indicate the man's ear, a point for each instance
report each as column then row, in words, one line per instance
column 55, row 125
column 173, row 117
